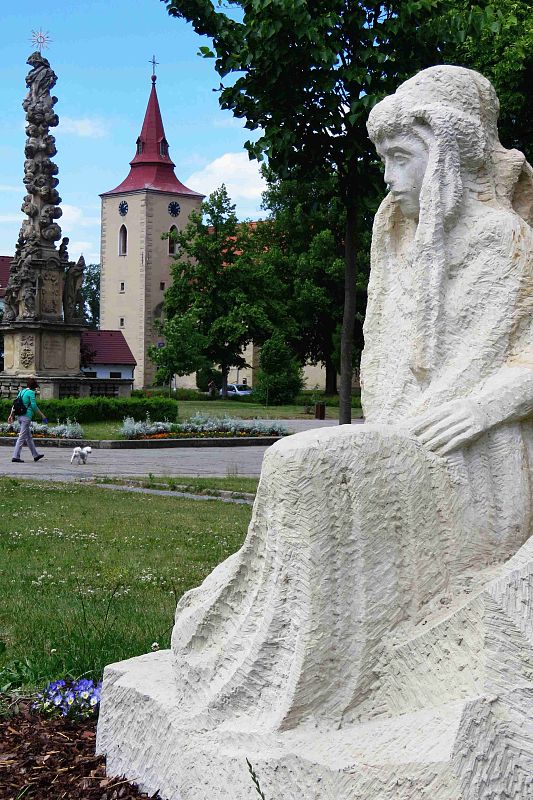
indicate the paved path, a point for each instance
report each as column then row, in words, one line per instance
column 205, row 461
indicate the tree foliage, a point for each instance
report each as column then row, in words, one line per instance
column 221, row 297
column 279, row 378
column 90, row 291
column 306, row 75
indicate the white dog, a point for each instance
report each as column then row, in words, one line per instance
column 80, row 455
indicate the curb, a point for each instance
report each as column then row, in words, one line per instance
column 149, row 444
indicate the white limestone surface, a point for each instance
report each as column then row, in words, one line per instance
column 373, row 637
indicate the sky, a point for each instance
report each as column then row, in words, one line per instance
column 100, row 51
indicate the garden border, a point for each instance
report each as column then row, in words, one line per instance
column 146, row 444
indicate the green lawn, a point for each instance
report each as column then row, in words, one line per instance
column 89, row 576
column 192, row 484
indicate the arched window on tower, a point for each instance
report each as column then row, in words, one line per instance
column 122, row 241
column 140, row 146
column 173, row 232
column 163, row 147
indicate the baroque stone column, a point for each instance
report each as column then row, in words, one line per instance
column 44, row 312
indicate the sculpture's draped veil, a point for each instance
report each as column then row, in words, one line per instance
column 454, row 111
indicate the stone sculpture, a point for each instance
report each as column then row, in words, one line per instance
column 373, row 638
column 73, row 302
column 35, row 251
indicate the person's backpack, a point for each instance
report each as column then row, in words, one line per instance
column 19, row 406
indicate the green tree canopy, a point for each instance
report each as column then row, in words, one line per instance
column 90, row 291
column 221, row 297
column 306, row 74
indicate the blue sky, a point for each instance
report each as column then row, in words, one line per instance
column 100, row 52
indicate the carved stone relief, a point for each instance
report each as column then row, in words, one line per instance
column 27, row 351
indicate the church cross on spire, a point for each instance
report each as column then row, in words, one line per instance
column 153, row 62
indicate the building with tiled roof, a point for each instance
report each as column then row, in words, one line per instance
column 107, row 355
column 135, row 261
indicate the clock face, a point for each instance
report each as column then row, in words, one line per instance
column 174, row 209
column 123, row 208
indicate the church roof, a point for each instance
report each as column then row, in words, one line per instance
column 107, row 347
column 152, row 167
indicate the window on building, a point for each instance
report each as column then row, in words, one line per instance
column 140, row 146
column 115, row 374
column 162, row 286
column 89, row 374
column 122, row 241
column 163, row 147
column 122, row 286
column 172, row 241
column 121, row 322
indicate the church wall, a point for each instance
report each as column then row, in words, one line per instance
column 125, row 304
column 158, row 262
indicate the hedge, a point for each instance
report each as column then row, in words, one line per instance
column 177, row 394
column 97, row 409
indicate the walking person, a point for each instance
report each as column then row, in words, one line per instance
column 26, row 400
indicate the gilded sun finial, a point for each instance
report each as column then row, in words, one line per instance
column 40, row 39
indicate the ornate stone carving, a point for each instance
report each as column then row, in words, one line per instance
column 41, row 203
column 372, row 638
column 73, row 303
column 27, row 351
column 51, row 292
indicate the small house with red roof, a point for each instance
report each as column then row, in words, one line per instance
column 105, row 354
column 135, row 260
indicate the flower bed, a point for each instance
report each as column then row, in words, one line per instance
column 201, row 426
column 67, row 430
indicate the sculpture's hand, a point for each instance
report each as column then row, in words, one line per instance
column 449, row 427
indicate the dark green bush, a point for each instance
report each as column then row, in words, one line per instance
column 279, row 379
column 162, row 391
column 97, row 409
column 309, row 398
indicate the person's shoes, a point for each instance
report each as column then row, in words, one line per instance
column 38, row 458
column 18, row 460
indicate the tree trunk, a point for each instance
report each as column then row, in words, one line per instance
column 224, row 371
column 348, row 320
column 331, row 377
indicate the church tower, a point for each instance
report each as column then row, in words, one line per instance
column 135, row 260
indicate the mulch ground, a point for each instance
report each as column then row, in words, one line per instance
column 53, row 759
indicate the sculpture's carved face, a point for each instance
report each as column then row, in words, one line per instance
column 405, row 159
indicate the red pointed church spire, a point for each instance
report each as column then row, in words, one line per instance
column 151, row 167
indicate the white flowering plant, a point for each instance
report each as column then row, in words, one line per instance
column 203, row 425
column 66, row 430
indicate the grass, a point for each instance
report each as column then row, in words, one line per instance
column 185, row 483
column 90, row 576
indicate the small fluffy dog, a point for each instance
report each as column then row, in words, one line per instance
column 80, row 455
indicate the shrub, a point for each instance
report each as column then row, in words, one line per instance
column 201, row 424
column 96, row 409
column 279, row 378
column 68, row 430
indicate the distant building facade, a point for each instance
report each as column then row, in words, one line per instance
column 135, row 261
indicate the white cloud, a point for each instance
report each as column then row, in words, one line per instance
column 75, row 217
column 88, row 127
column 10, row 218
column 87, row 249
column 4, row 187
column 241, row 177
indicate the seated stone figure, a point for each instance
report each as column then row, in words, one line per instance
column 356, row 530
column 373, row 637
